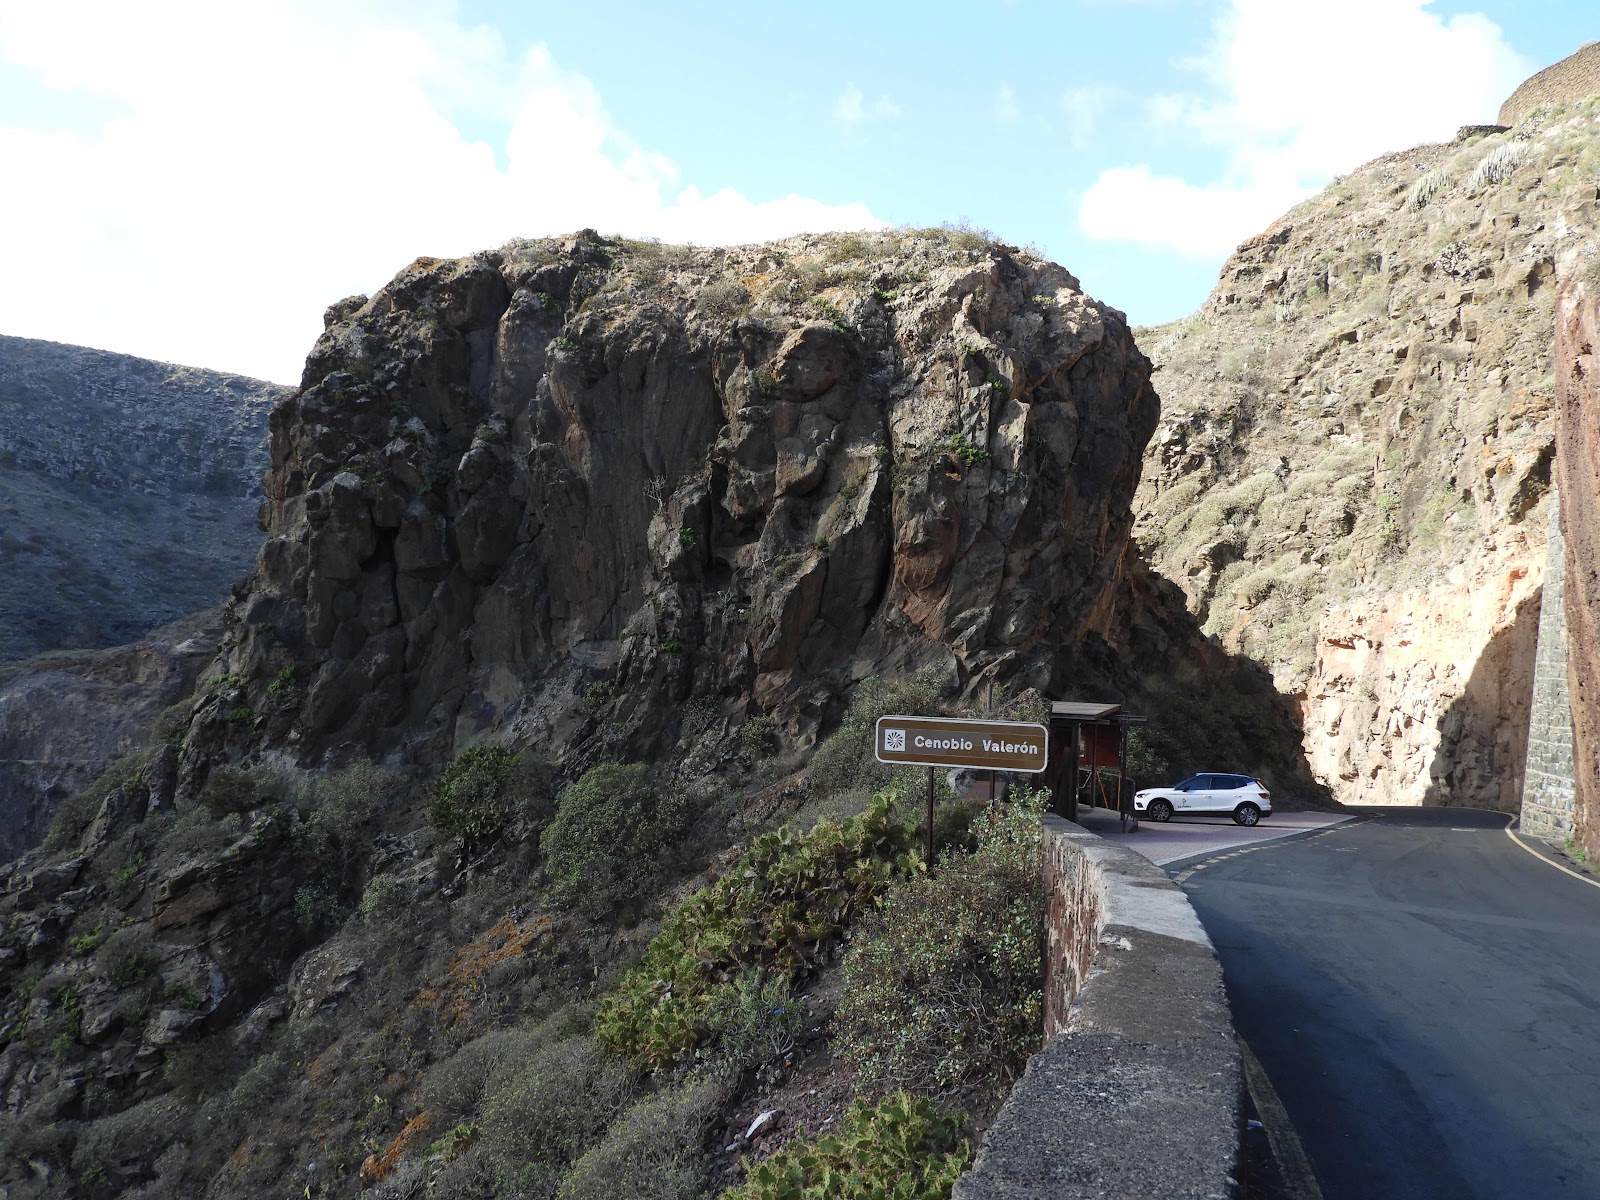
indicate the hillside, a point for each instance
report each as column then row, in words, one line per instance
column 589, row 564
column 128, row 493
column 1350, row 475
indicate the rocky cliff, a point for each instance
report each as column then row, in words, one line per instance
column 723, row 481
column 128, row 492
column 1578, row 469
column 1355, row 448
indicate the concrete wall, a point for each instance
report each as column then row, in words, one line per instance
column 1138, row 1091
column 1549, row 784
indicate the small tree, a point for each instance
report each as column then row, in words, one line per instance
column 606, row 848
column 480, row 793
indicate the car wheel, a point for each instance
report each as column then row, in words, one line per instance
column 1159, row 810
column 1247, row 814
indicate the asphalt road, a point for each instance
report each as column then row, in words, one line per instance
column 1425, row 997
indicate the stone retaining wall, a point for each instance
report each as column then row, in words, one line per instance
column 1549, row 783
column 1573, row 78
column 1138, row 1091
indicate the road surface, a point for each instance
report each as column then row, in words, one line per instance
column 1425, row 996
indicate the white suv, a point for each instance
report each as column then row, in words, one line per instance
column 1241, row 797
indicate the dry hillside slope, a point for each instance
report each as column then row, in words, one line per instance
column 1355, row 449
column 128, row 493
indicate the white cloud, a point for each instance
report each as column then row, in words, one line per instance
column 1005, row 106
column 1304, row 91
column 848, row 109
column 1132, row 204
column 1083, row 106
column 268, row 159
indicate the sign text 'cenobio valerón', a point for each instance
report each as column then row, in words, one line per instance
column 952, row 742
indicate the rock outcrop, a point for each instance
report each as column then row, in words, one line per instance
column 1578, row 469
column 728, row 481
column 1351, row 471
column 128, row 493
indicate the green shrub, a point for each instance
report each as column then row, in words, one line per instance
column 338, row 808
column 1426, row 188
column 1147, row 766
column 384, row 896
column 230, row 790
column 551, row 1106
column 832, row 315
column 139, row 1133
column 652, row 1151
column 453, row 1088
column 315, row 908
column 757, row 735
column 902, row 1149
column 782, row 906
column 89, row 941
column 969, row 454
column 128, row 957
column 282, row 684
column 479, row 795
column 943, row 979
column 846, row 759
column 757, row 1019
column 1498, row 165
column 613, row 830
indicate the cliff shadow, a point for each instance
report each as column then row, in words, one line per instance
column 1482, row 754
column 1207, row 709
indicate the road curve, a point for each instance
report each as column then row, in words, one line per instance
column 1425, row 996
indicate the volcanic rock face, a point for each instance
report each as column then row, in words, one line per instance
column 128, row 492
column 1350, row 474
column 732, row 480
column 1578, row 469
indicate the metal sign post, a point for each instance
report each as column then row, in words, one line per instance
column 935, row 742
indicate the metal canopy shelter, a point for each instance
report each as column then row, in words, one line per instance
column 1090, row 734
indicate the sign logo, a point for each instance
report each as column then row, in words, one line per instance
column 953, row 742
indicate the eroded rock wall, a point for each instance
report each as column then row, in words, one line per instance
column 1578, row 469
column 1349, row 479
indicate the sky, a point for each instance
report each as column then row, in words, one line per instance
column 195, row 181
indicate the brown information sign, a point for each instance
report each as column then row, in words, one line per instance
column 951, row 742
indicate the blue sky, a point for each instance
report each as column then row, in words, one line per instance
column 203, row 179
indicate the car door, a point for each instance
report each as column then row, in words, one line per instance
column 1190, row 794
column 1225, row 792
column 1200, row 793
